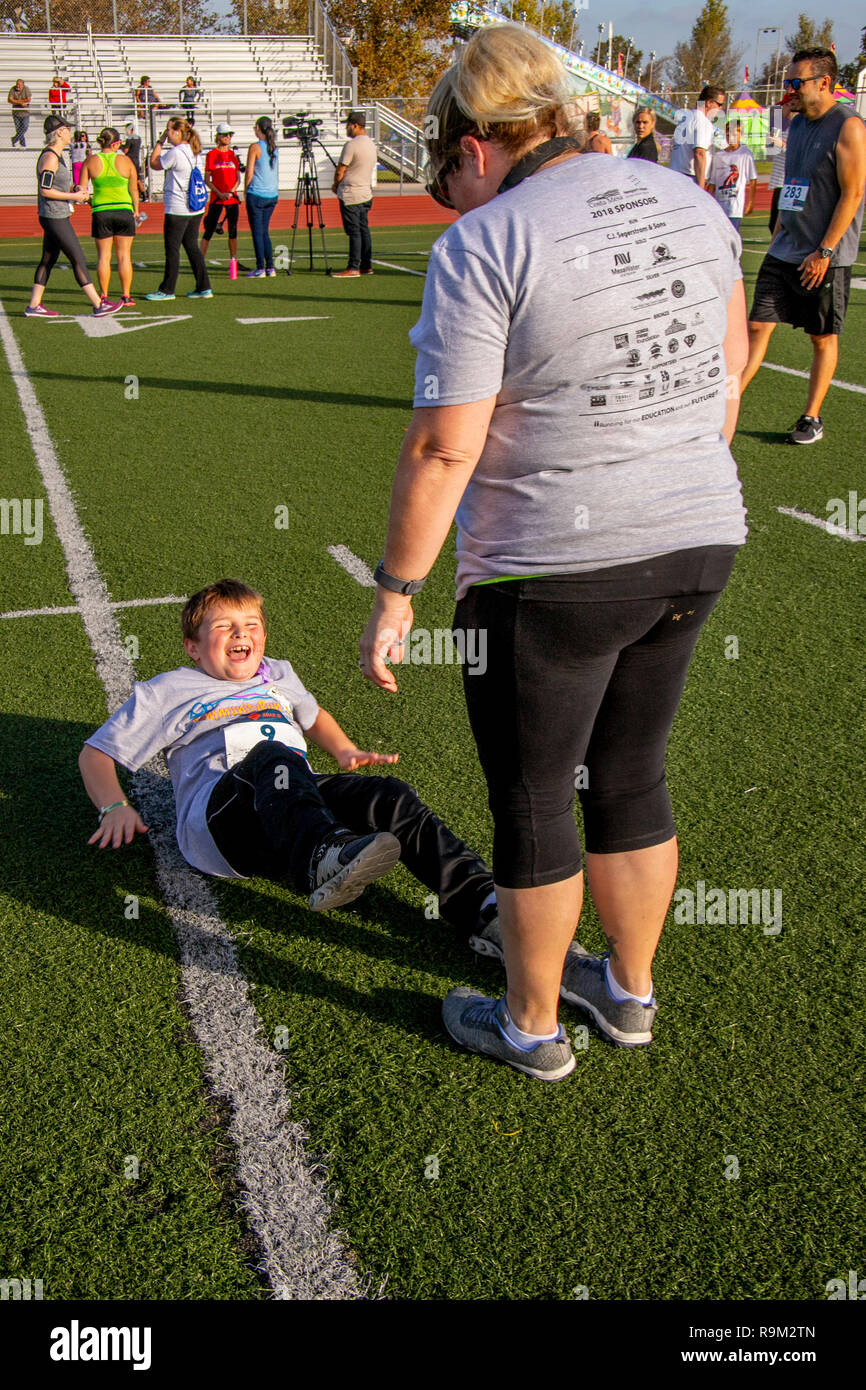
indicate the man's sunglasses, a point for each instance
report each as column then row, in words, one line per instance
column 797, row 82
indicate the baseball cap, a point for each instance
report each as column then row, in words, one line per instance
column 52, row 123
column 225, row 129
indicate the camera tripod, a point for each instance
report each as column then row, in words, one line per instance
column 308, row 197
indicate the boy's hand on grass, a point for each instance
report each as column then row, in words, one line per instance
column 119, row 827
column 356, row 757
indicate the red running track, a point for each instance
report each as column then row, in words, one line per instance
column 389, row 210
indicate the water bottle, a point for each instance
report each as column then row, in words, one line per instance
column 233, row 269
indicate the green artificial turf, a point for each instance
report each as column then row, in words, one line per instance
column 615, row 1182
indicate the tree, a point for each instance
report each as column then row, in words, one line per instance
column 133, row 16
column 710, row 55
column 809, row 34
column 398, row 46
column 848, row 73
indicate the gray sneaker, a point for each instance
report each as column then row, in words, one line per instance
column 627, row 1024
column 488, row 942
column 477, row 1024
column 808, row 430
column 344, row 864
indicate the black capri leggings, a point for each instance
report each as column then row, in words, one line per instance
column 57, row 237
column 579, row 692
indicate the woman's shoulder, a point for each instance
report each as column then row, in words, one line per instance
column 48, row 158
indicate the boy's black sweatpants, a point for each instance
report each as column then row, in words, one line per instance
column 269, row 813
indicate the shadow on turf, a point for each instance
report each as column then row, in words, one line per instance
column 242, row 388
column 47, row 865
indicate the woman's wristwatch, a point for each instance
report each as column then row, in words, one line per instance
column 397, row 586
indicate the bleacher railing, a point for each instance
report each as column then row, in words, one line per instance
column 337, row 62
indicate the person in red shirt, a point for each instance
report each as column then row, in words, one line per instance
column 58, row 95
column 222, row 171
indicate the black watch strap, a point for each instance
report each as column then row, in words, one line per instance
column 397, row 586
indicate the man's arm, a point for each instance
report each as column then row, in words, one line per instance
column 339, row 175
column 736, row 350
column 851, row 176
column 750, row 196
column 327, row 733
column 700, row 166
column 99, row 774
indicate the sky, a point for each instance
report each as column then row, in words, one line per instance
column 660, row 26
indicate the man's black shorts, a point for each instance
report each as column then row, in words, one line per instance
column 112, row 222
column 213, row 215
column 781, row 298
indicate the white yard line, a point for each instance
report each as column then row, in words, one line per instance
column 405, row 269
column 301, row 318
column 829, row 526
column 358, row 569
column 119, row 603
column 284, row 1196
column 793, row 371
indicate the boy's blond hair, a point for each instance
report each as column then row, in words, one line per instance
column 234, row 591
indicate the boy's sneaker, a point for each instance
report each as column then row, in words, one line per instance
column 107, row 306
column 40, row 312
column 808, row 430
column 478, row 1024
column 584, row 983
column 487, row 940
column 345, row 863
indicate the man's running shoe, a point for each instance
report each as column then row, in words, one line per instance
column 107, row 307
column 478, row 1024
column 345, row 863
column 158, row 294
column 584, row 983
column 38, row 311
column 808, row 430
column 200, row 294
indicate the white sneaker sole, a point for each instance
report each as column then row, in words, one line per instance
column 612, row 1033
column 558, row 1075
column 374, row 862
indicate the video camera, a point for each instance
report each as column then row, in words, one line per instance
column 303, row 127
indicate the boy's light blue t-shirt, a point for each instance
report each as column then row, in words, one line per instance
column 184, row 713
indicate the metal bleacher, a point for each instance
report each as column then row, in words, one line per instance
column 239, row 79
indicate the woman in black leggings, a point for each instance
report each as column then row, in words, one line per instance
column 55, row 199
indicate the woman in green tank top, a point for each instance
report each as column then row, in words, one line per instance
column 114, row 183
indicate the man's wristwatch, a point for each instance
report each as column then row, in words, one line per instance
column 825, row 252
column 397, row 586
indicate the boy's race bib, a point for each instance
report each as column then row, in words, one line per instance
column 793, row 197
column 246, row 733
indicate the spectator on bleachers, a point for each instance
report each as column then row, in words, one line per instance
column 261, row 191
column 188, row 98
column 58, row 95
column 19, row 100
column 146, row 98
column 114, row 199
column 182, row 154
column 222, row 172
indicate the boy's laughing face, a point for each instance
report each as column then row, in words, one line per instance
column 230, row 642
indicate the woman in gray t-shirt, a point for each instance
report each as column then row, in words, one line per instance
column 55, row 197
column 580, row 324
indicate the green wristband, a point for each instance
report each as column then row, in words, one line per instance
column 104, row 810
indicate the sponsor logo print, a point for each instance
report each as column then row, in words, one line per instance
column 622, row 258
column 690, row 338
column 673, row 345
column 642, row 335
column 646, row 392
column 675, row 326
column 653, row 294
column 633, row 358
column 620, row 340
column 662, row 253
column 600, row 198
column 714, row 371
column 678, row 289
column 598, row 400
column 656, row 350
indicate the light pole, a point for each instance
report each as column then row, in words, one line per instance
column 627, row 56
column 774, row 29
column 776, row 65
column 553, row 32
column 573, row 22
column 598, row 49
column 652, row 62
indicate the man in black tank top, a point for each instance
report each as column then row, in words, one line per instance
column 805, row 278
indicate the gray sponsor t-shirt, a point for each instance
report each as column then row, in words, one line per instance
column 186, row 713
column 591, row 301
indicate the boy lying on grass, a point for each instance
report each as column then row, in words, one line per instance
column 248, row 804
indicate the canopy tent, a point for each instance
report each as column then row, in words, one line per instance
column 842, row 94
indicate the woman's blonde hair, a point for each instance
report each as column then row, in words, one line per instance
column 189, row 132
column 506, row 86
